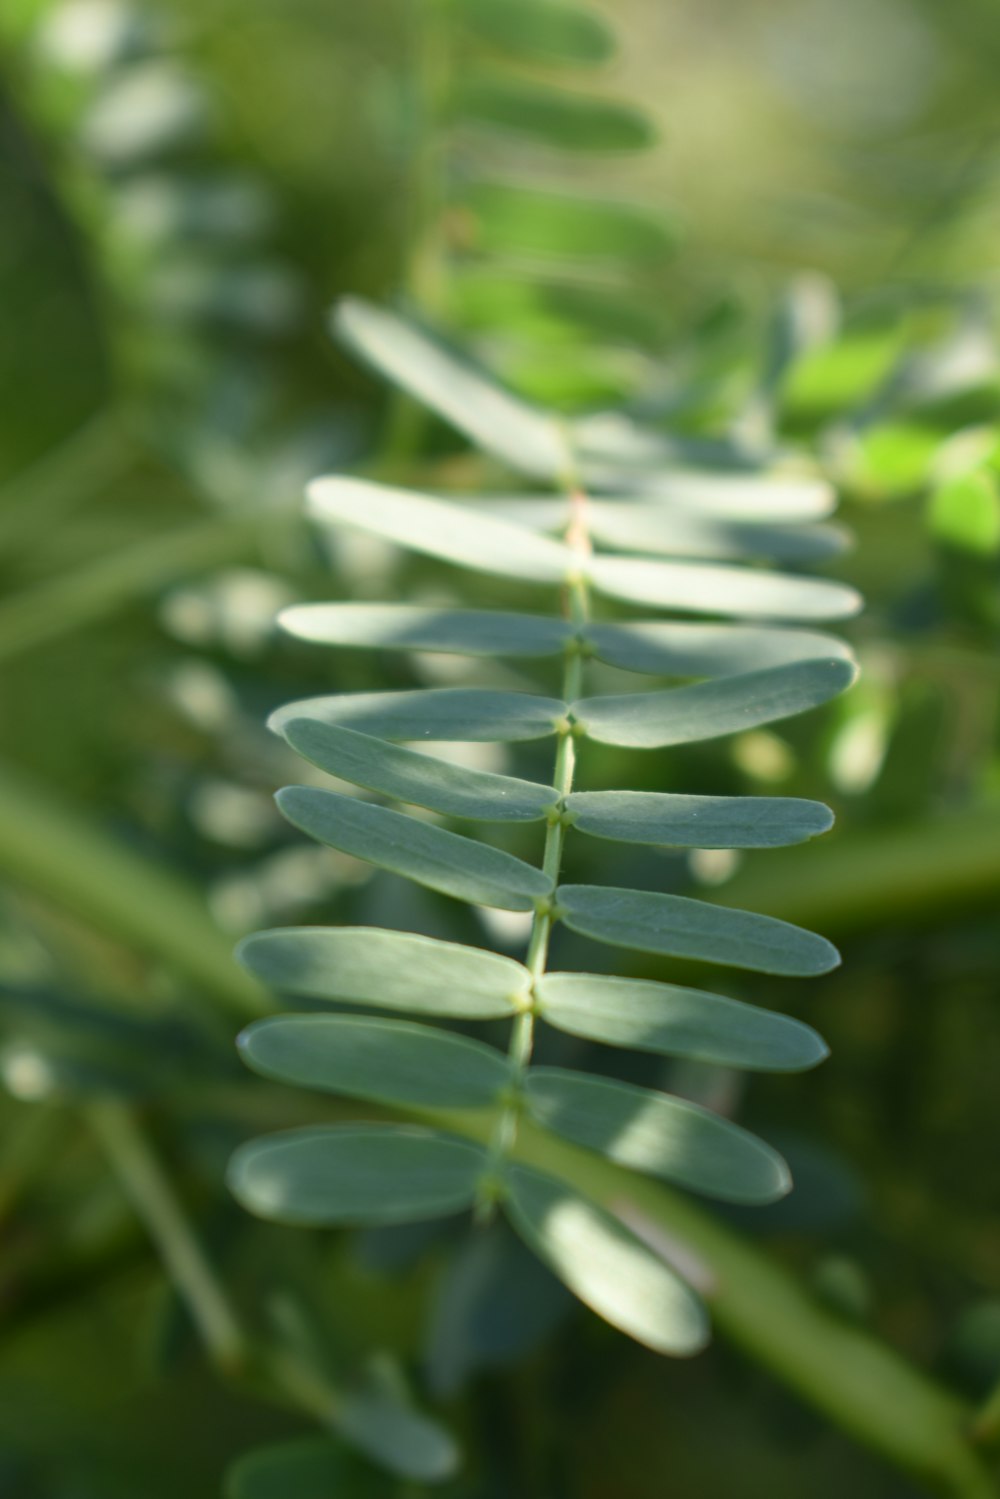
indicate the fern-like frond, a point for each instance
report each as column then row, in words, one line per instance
column 726, row 677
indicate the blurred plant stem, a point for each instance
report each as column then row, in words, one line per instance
column 920, row 870
column 153, row 1199
column 270, row 1368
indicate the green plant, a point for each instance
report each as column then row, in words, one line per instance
column 473, row 1103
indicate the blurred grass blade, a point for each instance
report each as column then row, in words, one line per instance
column 652, row 1132
column 469, row 714
column 386, row 1061
column 697, row 821
column 685, row 928
column 422, row 780
column 433, row 856
column 356, row 1174
column 392, row 970
column 706, row 710
column 677, row 1022
column 605, row 1265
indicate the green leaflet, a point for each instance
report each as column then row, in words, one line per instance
column 310, row 1468
column 662, row 1136
column 605, row 1264
column 465, row 714
column 396, row 1435
column 732, row 496
column 517, row 433
column 677, row 1022
column 508, row 219
column 465, row 632
column 687, row 650
column 409, row 776
column 555, row 117
column 574, row 314
column 386, row 1061
column 686, row 928
column 701, row 588
column 455, row 533
column 657, row 647
column 392, row 970
column 697, row 821
column 356, row 1174
column 681, row 715
column 672, row 531
column 544, row 31
column 432, row 856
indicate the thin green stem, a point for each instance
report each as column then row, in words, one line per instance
column 151, row 1194
column 523, row 1032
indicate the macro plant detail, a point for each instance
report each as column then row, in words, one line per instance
column 554, row 688
column 472, row 1105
